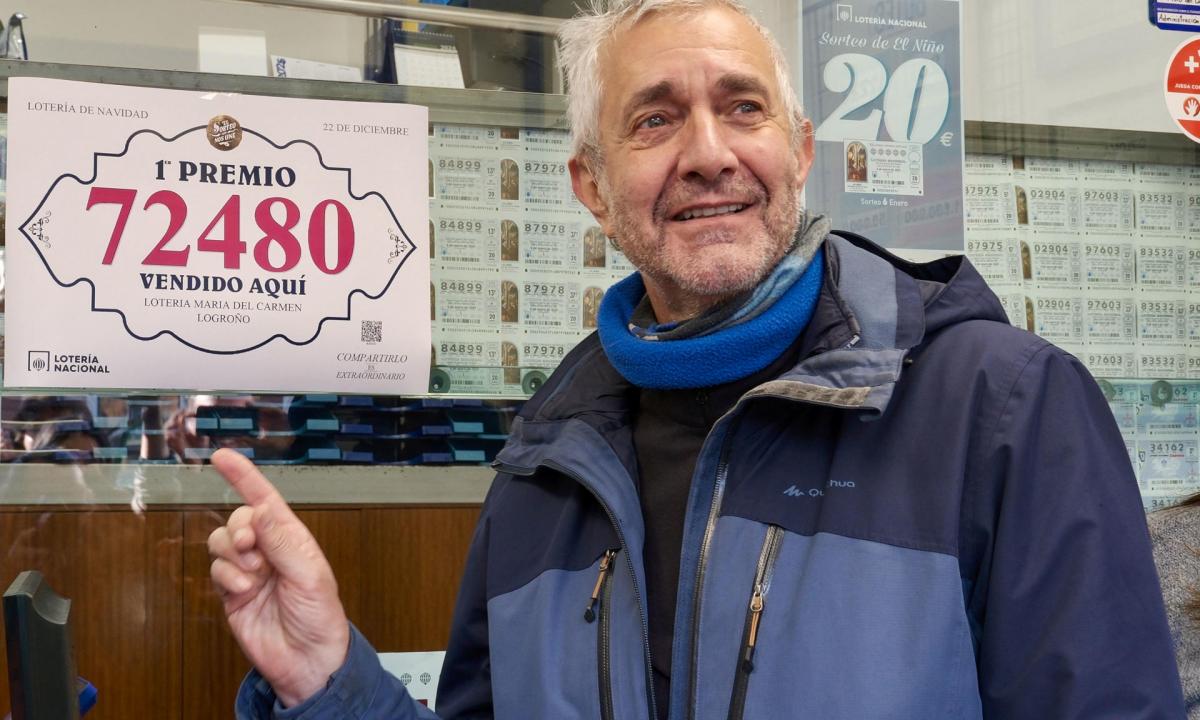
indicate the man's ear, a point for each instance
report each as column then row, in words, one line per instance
column 804, row 149
column 587, row 188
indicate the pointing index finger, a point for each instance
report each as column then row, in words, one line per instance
column 245, row 479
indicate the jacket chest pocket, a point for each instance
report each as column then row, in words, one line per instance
column 543, row 652
column 599, row 611
column 834, row 627
column 568, row 645
column 756, row 606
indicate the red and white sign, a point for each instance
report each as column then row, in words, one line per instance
column 173, row 239
column 1183, row 87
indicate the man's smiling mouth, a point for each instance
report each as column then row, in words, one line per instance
column 710, row 211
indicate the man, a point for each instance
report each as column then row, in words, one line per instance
column 790, row 476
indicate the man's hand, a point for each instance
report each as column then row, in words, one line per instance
column 279, row 592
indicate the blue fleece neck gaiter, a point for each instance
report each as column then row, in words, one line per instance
column 746, row 342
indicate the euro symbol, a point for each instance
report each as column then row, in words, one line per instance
column 947, row 138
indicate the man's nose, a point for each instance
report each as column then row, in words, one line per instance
column 706, row 152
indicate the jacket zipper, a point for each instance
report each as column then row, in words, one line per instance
column 602, row 595
column 758, row 598
column 590, row 614
column 612, row 519
column 713, row 512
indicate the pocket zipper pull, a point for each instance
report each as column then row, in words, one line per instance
column 756, row 608
column 590, row 614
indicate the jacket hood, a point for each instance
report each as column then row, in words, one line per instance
column 952, row 289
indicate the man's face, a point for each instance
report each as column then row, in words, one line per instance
column 700, row 179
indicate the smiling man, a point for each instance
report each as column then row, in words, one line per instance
column 790, row 475
column 698, row 161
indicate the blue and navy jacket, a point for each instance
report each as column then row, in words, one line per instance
column 931, row 516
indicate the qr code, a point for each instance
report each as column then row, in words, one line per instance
column 372, row 331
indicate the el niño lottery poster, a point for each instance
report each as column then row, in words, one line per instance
column 882, row 86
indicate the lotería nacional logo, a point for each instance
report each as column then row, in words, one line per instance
column 224, row 132
column 83, row 363
column 39, row 360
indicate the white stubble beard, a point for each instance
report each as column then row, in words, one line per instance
column 724, row 266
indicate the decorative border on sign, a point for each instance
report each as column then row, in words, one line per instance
column 124, row 320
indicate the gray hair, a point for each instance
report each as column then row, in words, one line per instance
column 579, row 43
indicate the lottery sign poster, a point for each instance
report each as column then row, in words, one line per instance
column 882, row 88
column 167, row 239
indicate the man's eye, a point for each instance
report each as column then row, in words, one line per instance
column 748, row 107
column 654, row 121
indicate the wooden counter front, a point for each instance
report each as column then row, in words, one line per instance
column 148, row 629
